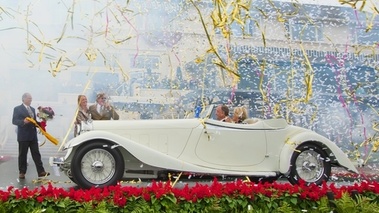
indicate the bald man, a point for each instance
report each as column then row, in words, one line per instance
column 27, row 137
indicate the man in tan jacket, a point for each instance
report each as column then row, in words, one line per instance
column 102, row 110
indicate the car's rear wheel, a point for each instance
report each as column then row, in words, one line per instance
column 311, row 164
column 97, row 164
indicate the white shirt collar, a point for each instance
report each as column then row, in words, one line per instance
column 98, row 108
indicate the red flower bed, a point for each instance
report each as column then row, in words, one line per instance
column 250, row 193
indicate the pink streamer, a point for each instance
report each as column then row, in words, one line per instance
column 341, row 64
column 232, row 94
column 177, row 57
column 356, row 16
column 107, row 22
column 268, row 98
column 137, row 46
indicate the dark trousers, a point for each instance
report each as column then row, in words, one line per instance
column 23, row 147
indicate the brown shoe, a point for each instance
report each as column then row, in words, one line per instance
column 21, row 176
column 43, row 174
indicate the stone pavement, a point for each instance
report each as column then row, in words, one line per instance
column 9, row 175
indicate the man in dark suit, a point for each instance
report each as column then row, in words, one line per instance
column 27, row 137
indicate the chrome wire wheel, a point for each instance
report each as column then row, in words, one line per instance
column 310, row 166
column 309, row 163
column 98, row 166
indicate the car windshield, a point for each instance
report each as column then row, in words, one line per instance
column 207, row 112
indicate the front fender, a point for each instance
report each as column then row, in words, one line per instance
column 143, row 153
column 293, row 142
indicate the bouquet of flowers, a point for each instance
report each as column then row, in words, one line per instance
column 45, row 114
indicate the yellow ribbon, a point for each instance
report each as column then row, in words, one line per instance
column 76, row 113
column 47, row 135
column 176, row 180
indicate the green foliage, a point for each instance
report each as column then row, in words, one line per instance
column 360, row 204
column 169, row 203
column 137, row 205
column 324, row 205
column 2, row 208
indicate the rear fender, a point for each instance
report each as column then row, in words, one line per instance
column 331, row 148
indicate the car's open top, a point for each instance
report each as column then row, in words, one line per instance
column 252, row 123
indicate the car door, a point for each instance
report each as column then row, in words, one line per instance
column 231, row 146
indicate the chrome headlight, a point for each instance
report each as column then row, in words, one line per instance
column 56, row 161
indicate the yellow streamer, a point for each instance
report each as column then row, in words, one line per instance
column 176, row 180
column 76, row 113
column 47, row 135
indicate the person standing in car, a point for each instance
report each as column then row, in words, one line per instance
column 83, row 114
column 102, row 110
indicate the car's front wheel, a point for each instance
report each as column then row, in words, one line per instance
column 97, row 164
column 311, row 164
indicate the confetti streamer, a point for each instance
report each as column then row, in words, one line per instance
column 286, row 54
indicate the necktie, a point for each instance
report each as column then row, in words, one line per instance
column 30, row 112
column 102, row 110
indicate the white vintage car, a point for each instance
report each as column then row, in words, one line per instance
column 113, row 150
